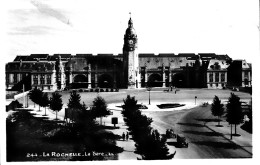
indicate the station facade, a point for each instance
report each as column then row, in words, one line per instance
column 127, row 70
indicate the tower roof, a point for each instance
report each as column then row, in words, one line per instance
column 130, row 31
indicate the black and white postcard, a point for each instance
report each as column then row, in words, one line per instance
column 110, row 80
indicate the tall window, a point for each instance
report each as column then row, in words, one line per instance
column 15, row 78
column 48, row 81
column 210, row 77
column 42, row 81
column 246, row 74
column 216, row 77
column 246, row 81
column 222, row 77
column 35, row 81
column 7, row 78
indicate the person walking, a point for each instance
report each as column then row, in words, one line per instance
column 127, row 135
column 123, row 136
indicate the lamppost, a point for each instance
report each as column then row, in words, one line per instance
column 149, row 89
column 195, row 99
column 27, row 100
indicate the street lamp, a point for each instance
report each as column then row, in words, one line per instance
column 195, row 99
column 149, row 89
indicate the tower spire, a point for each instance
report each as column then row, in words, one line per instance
column 130, row 22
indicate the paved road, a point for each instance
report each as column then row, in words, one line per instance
column 203, row 142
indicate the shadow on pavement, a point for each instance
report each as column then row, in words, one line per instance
column 191, row 124
column 208, row 120
column 203, row 133
column 224, row 145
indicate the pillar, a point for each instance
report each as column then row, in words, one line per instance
column 249, row 78
column 163, row 73
column 32, row 79
column 243, row 78
column 89, row 79
column 96, row 76
column 70, row 77
column 214, row 80
column 225, row 77
column 10, row 78
column 89, row 76
column 145, row 76
column 219, row 79
column 170, row 78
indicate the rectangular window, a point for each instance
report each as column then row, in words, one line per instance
column 210, row 77
column 35, row 76
column 35, row 82
column 48, row 81
column 246, row 74
column 222, row 77
column 216, row 77
column 42, row 81
column 42, row 75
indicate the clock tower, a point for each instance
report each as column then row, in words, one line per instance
column 130, row 58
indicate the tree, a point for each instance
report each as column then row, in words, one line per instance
column 56, row 102
column 74, row 101
column 217, row 108
column 99, row 108
column 148, row 146
column 75, row 108
column 234, row 111
column 36, row 96
column 45, row 101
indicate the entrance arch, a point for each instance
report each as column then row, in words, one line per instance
column 80, row 78
column 105, row 81
column 178, row 80
column 79, row 81
column 155, row 80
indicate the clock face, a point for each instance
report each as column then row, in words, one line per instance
column 130, row 41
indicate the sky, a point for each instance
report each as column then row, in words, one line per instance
column 163, row 26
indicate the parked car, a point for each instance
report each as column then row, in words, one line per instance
column 181, row 141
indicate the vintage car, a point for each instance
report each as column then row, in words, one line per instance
column 181, row 141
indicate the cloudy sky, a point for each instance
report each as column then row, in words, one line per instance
column 163, row 26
